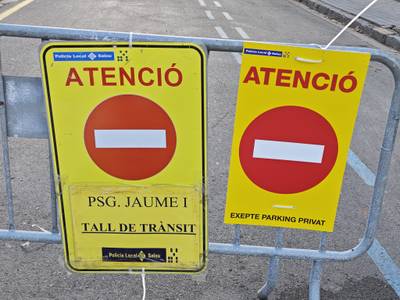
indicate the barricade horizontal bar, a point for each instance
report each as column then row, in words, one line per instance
column 212, row 44
column 220, row 248
column 58, row 33
column 33, row 236
column 307, row 254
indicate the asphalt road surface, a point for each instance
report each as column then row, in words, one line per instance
column 36, row 271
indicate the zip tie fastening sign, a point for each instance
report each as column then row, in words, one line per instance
column 130, row 39
column 144, row 284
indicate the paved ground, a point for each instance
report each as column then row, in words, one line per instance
column 384, row 12
column 37, row 272
column 380, row 21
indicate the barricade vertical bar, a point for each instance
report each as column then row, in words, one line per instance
column 273, row 268
column 316, row 271
column 53, row 199
column 386, row 150
column 237, row 235
column 6, row 155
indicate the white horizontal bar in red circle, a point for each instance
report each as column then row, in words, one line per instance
column 130, row 138
column 278, row 150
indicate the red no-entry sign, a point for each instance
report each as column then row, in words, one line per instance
column 130, row 137
column 288, row 149
column 292, row 133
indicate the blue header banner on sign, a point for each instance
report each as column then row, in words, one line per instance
column 263, row 52
column 84, row 56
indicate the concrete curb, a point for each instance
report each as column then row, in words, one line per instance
column 385, row 36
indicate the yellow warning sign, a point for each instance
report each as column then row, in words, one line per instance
column 128, row 131
column 294, row 120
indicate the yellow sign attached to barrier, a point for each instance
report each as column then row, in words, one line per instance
column 294, row 120
column 128, row 131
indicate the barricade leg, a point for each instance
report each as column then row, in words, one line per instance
column 315, row 273
column 273, row 268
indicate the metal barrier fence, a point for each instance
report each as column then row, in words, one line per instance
column 22, row 114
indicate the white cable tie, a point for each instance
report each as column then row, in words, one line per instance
column 349, row 24
column 26, row 244
column 316, row 45
column 130, row 39
column 144, row 284
column 41, row 228
column 306, row 60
